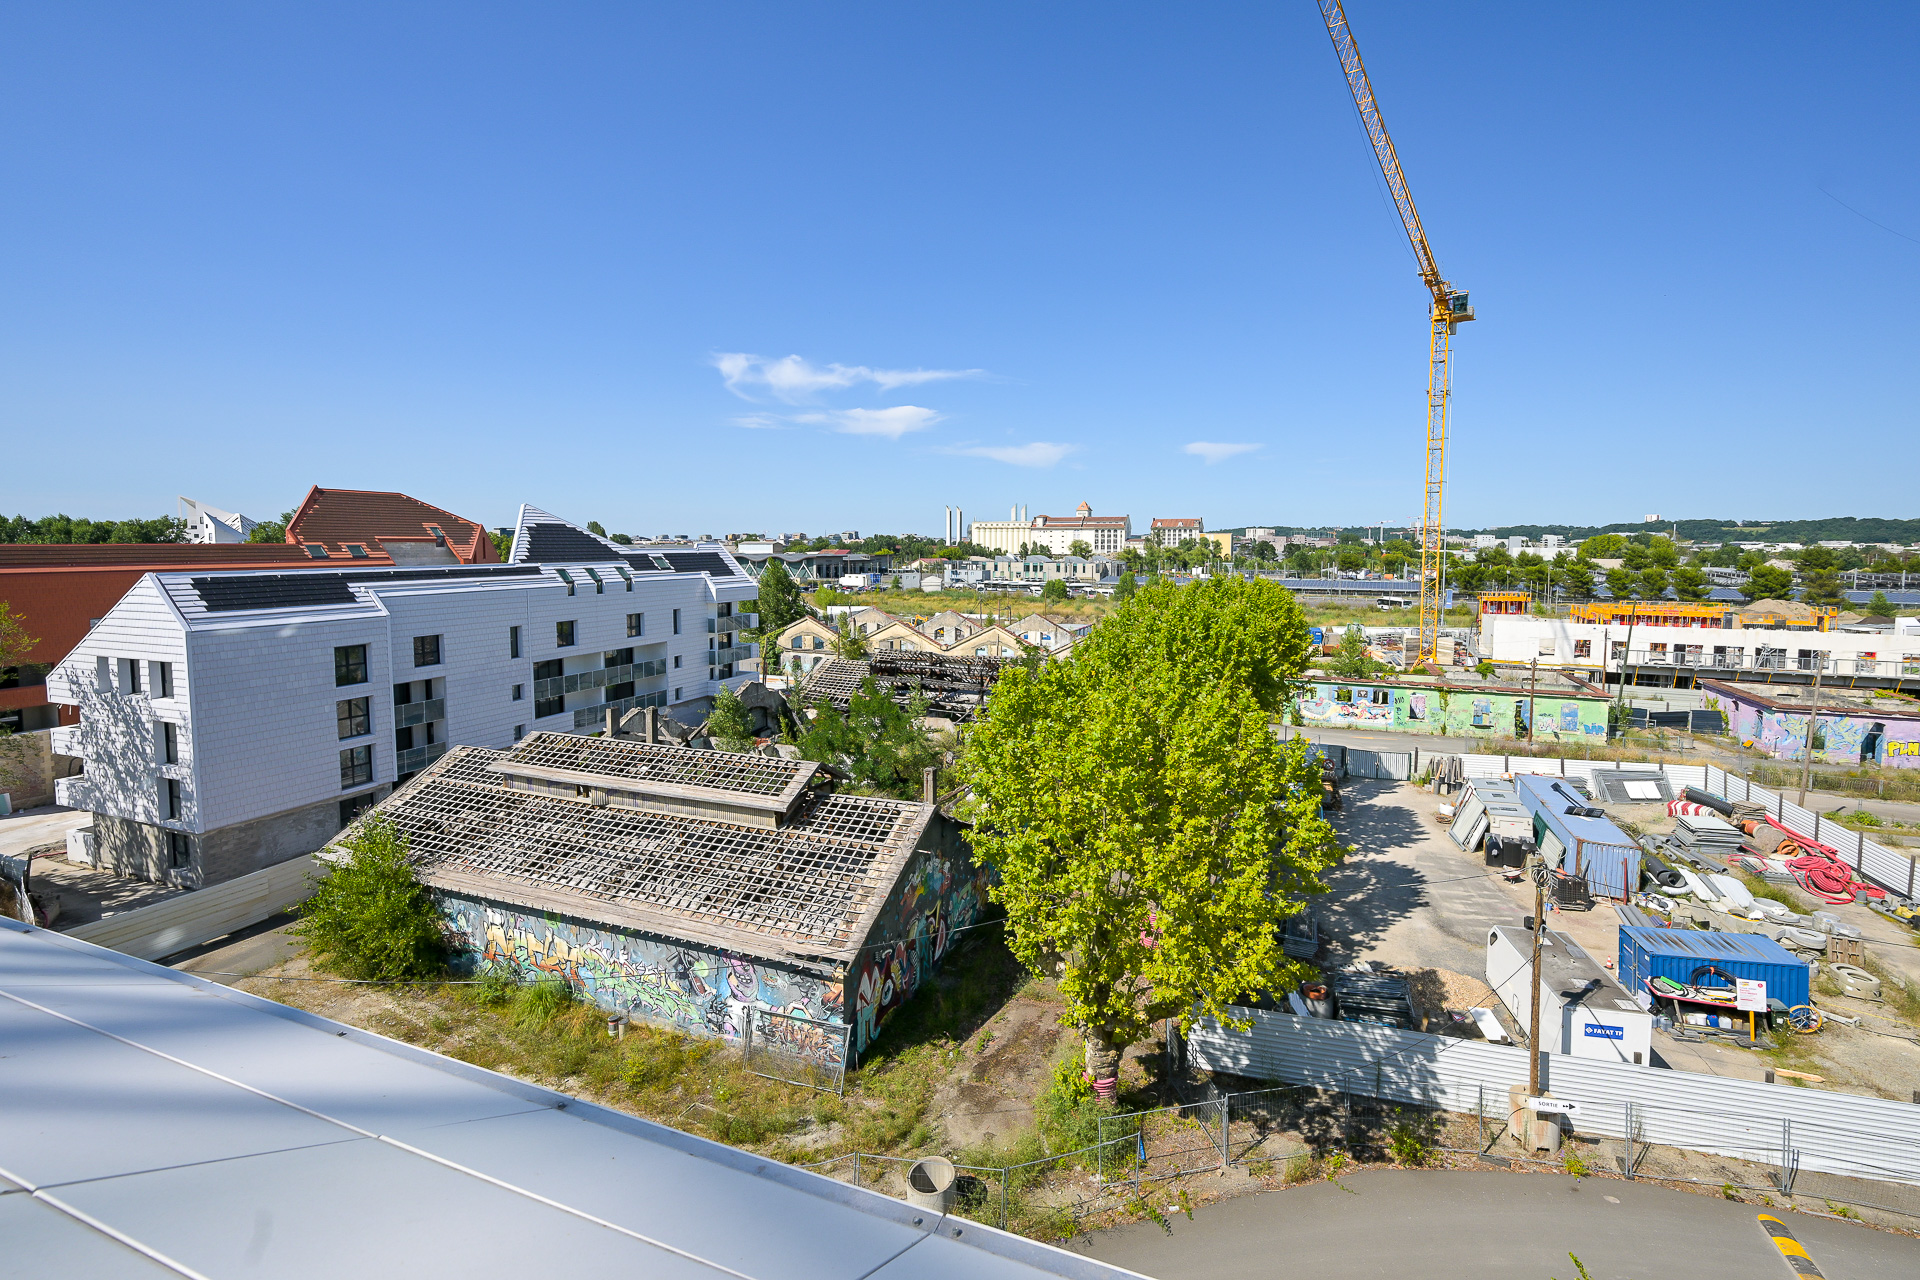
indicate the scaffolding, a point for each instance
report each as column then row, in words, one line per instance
column 803, row 891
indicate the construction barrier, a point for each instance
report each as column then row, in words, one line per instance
column 190, row 919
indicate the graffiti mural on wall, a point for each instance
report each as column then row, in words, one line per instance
column 1451, row 711
column 940, row 894
column 1846, row 741
column 698, row 991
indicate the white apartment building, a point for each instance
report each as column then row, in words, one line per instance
column 211, row 524
column 1106, row 535
column 233, row 720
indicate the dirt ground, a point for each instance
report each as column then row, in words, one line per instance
column 1410, row 898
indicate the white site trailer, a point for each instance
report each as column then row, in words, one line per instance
column 1584, row 1011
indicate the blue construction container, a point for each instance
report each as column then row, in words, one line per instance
column 1676, row 953
column 1589, row 846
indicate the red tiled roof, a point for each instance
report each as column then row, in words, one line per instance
column 336, row 517
column 148, row 557
column 1176, row 524
column 1080, row 522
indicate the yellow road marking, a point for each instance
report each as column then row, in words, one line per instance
column 1792, row 1252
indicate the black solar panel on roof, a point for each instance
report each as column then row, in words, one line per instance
column 563, row 544
column 711, row 562
column 228, row 594
column 272, row 591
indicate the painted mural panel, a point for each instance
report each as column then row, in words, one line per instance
column 689, row 988
column 1451, row 712
column 941, row 893
column 1842, row 740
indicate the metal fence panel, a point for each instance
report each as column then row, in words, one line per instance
column 786, row 1046
column 1389, row 765
column 1830, row 1132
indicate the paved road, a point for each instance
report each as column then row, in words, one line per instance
column 248, row 951
column 1491, row 1226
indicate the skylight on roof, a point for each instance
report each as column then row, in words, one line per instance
column 317, row 551
column 357, row 551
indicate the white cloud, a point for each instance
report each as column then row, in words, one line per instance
column 1037, row 454
column 1218, row 452
column 891, row 423
column 796, row 380
column 760, row 422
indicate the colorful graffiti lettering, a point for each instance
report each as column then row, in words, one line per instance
column 940, row 894
column 694, row 990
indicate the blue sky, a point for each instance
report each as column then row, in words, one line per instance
column 823, row 266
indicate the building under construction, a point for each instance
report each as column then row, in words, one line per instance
column 716, row 892
column 955, row 687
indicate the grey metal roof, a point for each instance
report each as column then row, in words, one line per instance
column 157, row 1124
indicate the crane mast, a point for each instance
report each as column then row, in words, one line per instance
column 1450, row 309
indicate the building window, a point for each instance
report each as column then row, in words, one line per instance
column 636, row 622
column 519, row 692
column 519, row 732
column 819, row 642
column 676, row 695
column 1382, row 697
column 179, row 850
column 353, row 806
column 676, row 660
column 799, row 642
column 566, row 578
column 1583, row 648
column 676, row 622
column 1343, row 695
column 356, row 767
column 161, row 678
column 129, row 675
column 170, row 797
column 350, row 664
column 563, row 634
column 544, row 707
column 357, row 551
column 353, row 717
column 169, row 742
column 513, row 642
column 317, row 551
column 426, row 651
column 103, row 674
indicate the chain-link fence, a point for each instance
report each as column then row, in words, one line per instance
column 786, row 1046
column 1267, row 1130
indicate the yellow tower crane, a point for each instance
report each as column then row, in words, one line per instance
column 1450, row 309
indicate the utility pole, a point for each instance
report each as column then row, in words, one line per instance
column 1533, row 1016
column 1533, row 683
column 1813, row 724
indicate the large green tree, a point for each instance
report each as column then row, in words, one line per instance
column 882, row 744
column 1820, row 577
column 1148, row 831
column 780, row 604
column 1689, row 583
column 1764, row 582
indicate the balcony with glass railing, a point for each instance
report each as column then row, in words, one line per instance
column 595, row 716
column 599, row 678
column 408, row 714
column 736, row 653
column 414, row 759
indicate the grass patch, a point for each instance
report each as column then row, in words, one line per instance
column 1775, row 893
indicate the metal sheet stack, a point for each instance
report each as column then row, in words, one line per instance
column 1367, row 996
column 1706, row 835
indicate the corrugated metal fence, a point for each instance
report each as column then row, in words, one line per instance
column 1780, row 1125
column 1891, row 869
column 175, row 924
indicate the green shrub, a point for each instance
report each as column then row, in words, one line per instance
column 369, row 917
column 1067, row 1111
